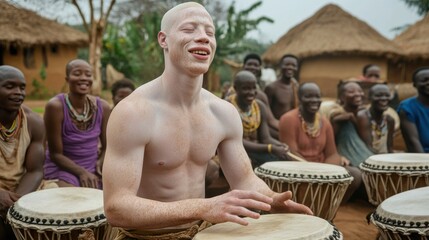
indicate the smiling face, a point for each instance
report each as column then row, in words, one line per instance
column 254, row 66
column 245, row 88
column 352, row 94
column 79, row 77
column 188, row 38
column 310, row 98
column 379, row 95
column 289, row 66
column 12, row 88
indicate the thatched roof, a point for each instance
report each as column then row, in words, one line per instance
column 24, row 28
column 331, row 31
column 415, row 40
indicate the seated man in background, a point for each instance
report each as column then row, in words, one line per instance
column 21, row 145
column 414, row 114
column 374, row 126
column 310, row 135
column 259, row 145
column 121, row 89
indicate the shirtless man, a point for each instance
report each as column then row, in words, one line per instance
column 282, row 94
column 21, row 144
column 162, row 136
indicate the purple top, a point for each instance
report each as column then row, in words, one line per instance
column 81, row 146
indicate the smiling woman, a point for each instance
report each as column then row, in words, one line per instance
column 73, row 135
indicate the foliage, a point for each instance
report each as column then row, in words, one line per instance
column 421, row 5
column 133, row 48
column 40, row 91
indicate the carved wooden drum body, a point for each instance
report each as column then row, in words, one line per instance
column 60, row 213
column 404, row 215
column 319, row 186
column 385, row 175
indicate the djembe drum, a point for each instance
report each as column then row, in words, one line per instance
column 60, row 214
column 319, row 186
column 404, row 215
column 385, row 175
column 273, row 226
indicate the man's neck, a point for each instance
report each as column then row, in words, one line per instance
column 286, row 80
column 181, row 89
column 7, row 117
column 423, row 99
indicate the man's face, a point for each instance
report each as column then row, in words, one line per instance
column 120, row 94
column 380, row 96
column 12, row 92
column 310, row 98
column 191, row 42
column 246, row 91
column 289, row 66
column 80, row 77
column 373, row 73
column 253, row 66
column 421, row 82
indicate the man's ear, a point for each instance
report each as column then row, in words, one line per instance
column 162, row 40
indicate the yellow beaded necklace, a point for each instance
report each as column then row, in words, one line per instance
column 250, row 119
column 7, row 133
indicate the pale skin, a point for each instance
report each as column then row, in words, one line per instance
column 155, row 164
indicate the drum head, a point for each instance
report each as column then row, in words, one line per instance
column 397, row 162
column 273, row 226
column 303, row 171
column 407, row 210
column 58, row 207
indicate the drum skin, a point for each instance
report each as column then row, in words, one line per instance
column 385, row 175
column 319, row 186
column 273, row 227
column 404, row 215
column 59, row 213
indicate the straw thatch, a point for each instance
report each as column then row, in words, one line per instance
column 415, row 40
column 25, row 28
column 331, row 31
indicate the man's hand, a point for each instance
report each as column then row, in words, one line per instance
column 283, row 204
column 234, row 205
column 7, row 199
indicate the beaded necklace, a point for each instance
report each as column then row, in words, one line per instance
column 83, row 121
column 7, row 133
column 378, row 130
column 251, row 119
column 311, row 129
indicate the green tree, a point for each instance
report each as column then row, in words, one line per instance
column 231, row 37
column 421, row 5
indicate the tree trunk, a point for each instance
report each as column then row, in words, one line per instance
column 95, row 47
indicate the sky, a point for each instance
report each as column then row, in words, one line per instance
column 382, row 15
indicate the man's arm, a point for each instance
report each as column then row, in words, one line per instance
column 410, row 134
column 390, row 132
column 238, row 171
column 34, row 157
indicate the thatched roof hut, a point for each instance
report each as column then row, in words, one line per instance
column 25, row 28
column 415, row 40
column 331, row 31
